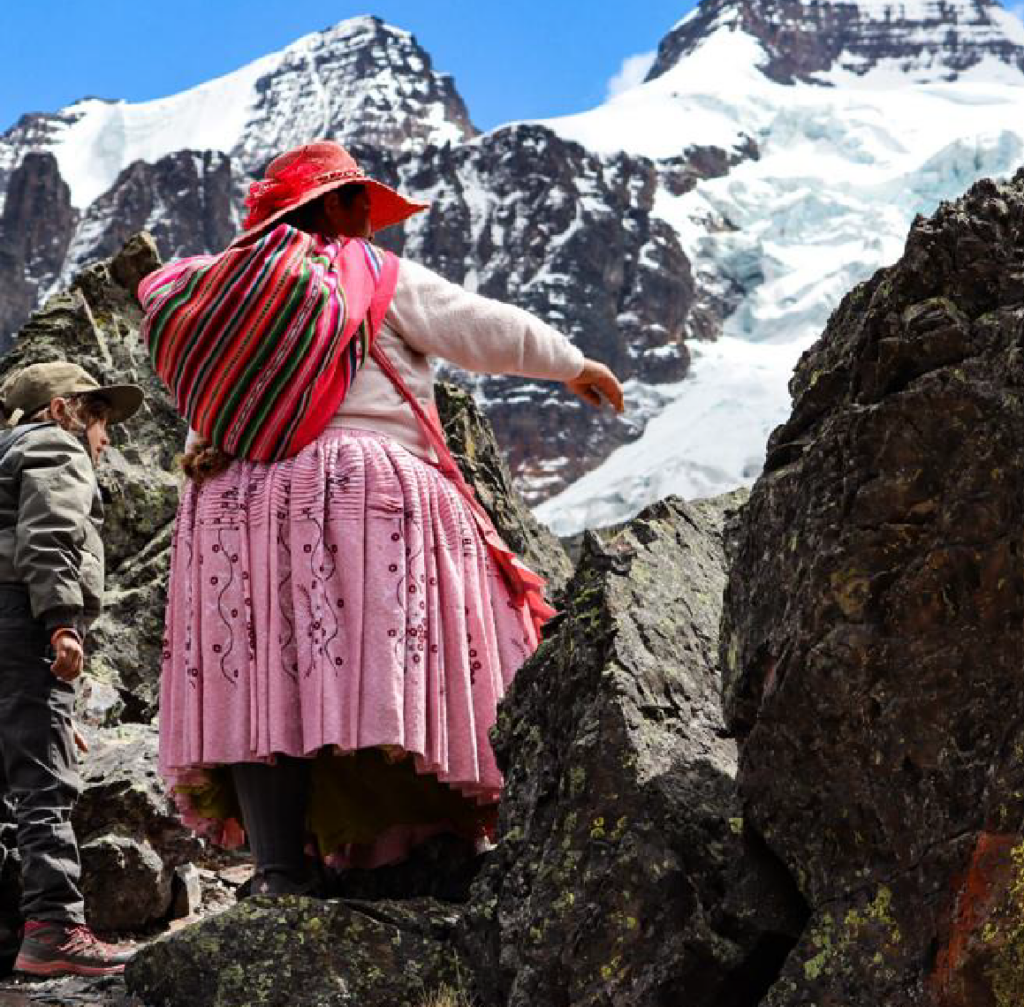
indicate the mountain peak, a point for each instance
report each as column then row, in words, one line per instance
column 361, row 81
column 834, row 41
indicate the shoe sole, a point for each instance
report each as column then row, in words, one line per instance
column 32, row 968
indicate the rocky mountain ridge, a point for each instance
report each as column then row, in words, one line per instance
column 921, row 41
column 644, row 230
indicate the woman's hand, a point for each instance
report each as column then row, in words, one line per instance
column 68, row 656
column 596, row 384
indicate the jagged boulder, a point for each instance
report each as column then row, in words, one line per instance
column 122, row 792
column 290, row 951
column 126, row 884
column 620, row 835
column 873, row 637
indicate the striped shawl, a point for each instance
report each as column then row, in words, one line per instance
column 260, row 343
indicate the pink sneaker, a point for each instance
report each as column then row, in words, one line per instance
column 67, row 949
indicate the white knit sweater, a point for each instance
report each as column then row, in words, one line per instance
column 430, row 317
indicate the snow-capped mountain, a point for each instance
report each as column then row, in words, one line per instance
column 694, row 231
column 123, row 168
column 520, row 214
column 841, row 172
column 360, row 81
column 844, row 42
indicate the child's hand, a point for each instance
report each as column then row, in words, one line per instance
column 68, row 656
column 596, row 384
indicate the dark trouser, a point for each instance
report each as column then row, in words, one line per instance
column 38, row 765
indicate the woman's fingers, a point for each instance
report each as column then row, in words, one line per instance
column 611, row 389
column 596, row 385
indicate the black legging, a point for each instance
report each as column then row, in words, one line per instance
column 274, row 799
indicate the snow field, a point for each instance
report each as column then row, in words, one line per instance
column 841, row 174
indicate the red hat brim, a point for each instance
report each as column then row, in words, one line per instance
column 387, row 207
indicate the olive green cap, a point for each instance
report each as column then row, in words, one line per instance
column 32, row 388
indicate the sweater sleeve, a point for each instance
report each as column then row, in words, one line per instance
column 438, row 318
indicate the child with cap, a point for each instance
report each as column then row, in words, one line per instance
column 51, row 589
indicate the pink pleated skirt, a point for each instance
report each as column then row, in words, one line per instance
column 338, row 601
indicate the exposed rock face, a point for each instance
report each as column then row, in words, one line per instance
column 872, row 639
column 36, row 226
column 289, row 951
column 96, row 324
column 125, row 883
column 532, row 219
column 619, row 825
column 123, row 793
column 188, row 201
column 362, row 81
column 474, row 447
column 928, row 40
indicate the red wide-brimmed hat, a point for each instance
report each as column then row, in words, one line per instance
column 307, row 172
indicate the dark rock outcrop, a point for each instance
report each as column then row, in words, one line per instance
column 803, row 38
column 530, row 218
column 873, row 636
column 123, row 793
column 36, row 227
column 126, row 884
column 188, row 201
column 620, row 834
column 475, row 449
column 289, row 951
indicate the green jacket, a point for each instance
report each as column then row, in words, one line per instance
column 50, row 519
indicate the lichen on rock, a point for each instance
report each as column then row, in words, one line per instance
column 873, row 635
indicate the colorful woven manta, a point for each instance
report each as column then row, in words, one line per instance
column 260, row 343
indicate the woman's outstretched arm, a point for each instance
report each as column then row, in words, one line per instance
column 440, row 318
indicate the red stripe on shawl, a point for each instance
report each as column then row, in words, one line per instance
column 280, row 293
column 226, row 304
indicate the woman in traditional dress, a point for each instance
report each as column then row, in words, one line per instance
column 342, row 619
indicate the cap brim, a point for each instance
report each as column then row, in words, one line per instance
column 387, row 207
column 124, row 400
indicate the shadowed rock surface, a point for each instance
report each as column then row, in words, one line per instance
column 620, row 831
column 484, row 467
column 872, row 639
column 288, row 951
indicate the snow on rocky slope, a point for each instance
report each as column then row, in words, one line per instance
column 841, row 172
column 709, row 218
column 333, row 82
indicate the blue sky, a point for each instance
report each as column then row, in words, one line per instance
column 510, row 60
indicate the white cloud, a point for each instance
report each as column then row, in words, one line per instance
column 633, row 71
